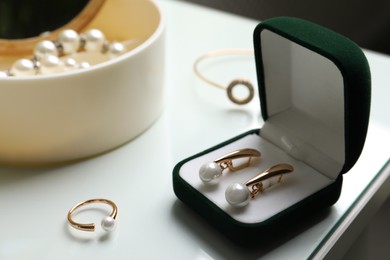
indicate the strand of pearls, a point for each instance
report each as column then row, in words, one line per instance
column 46, row 58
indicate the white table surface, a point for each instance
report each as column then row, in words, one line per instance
column 153, row 224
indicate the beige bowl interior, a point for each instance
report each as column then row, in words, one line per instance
column 73, row 115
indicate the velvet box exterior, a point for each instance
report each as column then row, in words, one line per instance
column 314, row 87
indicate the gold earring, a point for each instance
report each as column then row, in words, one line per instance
column 211, row 171
column 239, row 194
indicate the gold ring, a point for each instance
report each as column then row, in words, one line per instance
column 234, row 83
column 108, row 223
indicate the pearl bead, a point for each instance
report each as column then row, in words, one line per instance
column 69, row 40
column 108, row 223
column 84, row 65
column 45, row 48
column 209, row 172
column 50, row 64
column 237, row 195
column 23, row 67
column 94, row 40
column 115, row 49
column 70, row 64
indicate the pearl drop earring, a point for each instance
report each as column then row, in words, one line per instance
column 211, row 171
column 239, row 194
column 46, row 55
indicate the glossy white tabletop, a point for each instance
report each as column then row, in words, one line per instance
column 152, row 223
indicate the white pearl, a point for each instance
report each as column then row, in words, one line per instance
column 209, row 172
column 115, row 49
column 70, row 64
column 94, row 40
column 237, row 195
column 23, row 67
column 84, row 65
column 50, row 64
column 108, row 223
column 45, row 48
column 69, row 40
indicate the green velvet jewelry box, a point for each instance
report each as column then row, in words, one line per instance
column 314, row 87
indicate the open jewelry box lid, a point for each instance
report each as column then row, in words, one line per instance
column 314, row 87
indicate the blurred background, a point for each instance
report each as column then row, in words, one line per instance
column 365, row 22
column 26, row 18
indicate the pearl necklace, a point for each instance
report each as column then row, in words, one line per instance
column 46, row 58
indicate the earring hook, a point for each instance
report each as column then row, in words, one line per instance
column 211, row 171
column 226, row 161
column 239, row 194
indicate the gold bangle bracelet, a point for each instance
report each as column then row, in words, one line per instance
column 108, row 223
column 235, row 82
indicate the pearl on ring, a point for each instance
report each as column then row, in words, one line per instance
column 108, row 223
column 237, row 195
column 209, row 172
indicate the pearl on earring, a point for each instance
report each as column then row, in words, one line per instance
column 238, row 195
column 209, row 172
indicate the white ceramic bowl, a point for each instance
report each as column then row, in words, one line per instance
column 68, row 116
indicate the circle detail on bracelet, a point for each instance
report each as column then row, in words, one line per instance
column 229, row 89
column 238, row 82
column 108, row 223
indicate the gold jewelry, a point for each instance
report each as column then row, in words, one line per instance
column 239, row 194
column 108, row 223
column 235, row 82
column 211, row 171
